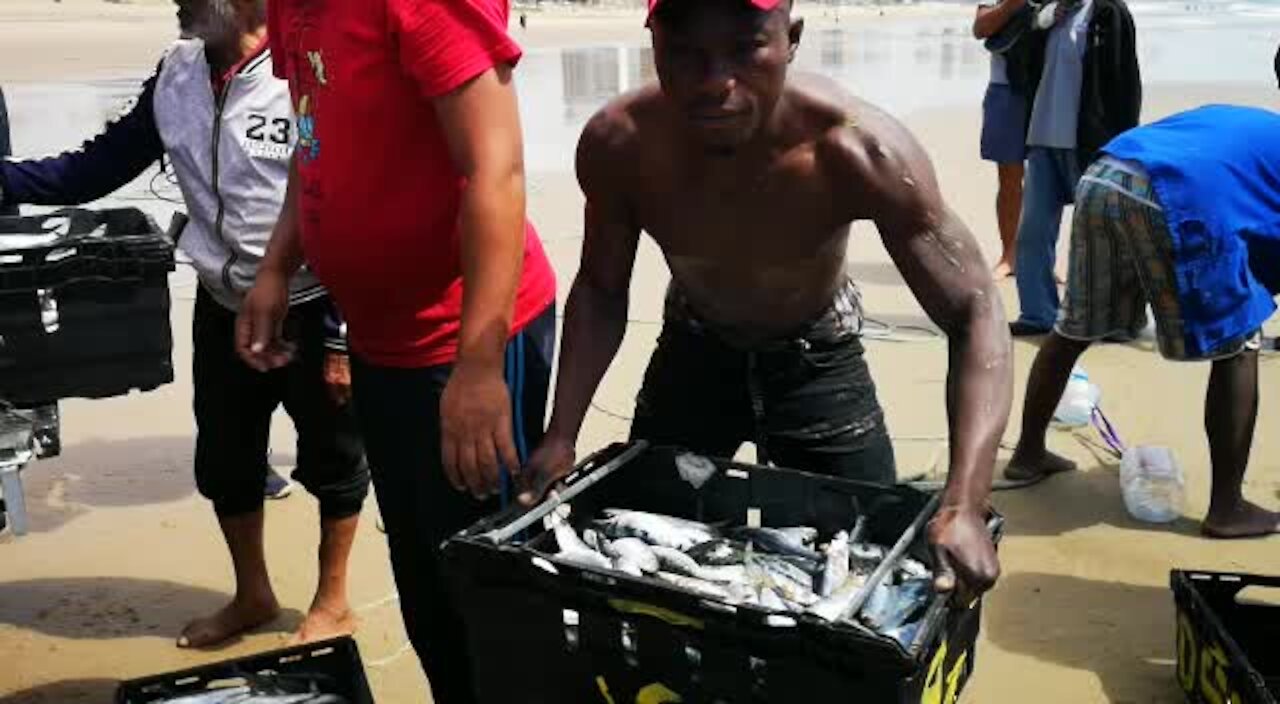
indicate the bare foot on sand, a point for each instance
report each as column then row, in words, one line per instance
column 235, row 618
column 1245, row 521
column 1027, row 465
column 322, row 624
column 1003, row 270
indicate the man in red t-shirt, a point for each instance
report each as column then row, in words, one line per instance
column 407, row 198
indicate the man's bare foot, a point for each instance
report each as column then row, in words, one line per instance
column 1244, row 521
column 239, row 616
column 1024, row 466
column 322, row 624
column 1003, row 270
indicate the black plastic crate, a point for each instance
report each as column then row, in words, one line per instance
column 548, row 631
column 87, row 313
column 336, row 662
column 1226, row 647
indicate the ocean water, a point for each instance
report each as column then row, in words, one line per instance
column 901, row 65
column 906, row 65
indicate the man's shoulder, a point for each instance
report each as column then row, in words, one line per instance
column 620, row 124
column 848, row 132
column 183, row 50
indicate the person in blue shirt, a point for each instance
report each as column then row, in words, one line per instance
column 1184, row 215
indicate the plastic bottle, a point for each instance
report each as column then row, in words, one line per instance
column 1081, row 396
column 1152, row 484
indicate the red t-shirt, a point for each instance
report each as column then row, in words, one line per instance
column 379, row 195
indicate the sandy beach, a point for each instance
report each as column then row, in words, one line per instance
column 123, row 551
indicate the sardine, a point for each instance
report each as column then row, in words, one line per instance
column 673, row 560
column 865, row 557
column 719, row 552
column 784, row 568
column 914, row 569
column 777, row 542
column 766, row 572
column 890, row 607
column 837, row 568
column 655, row 529
column 769, row 599
column 594, row 541
column 696, row 585
column 803, row 535
column 216, row 696
column 724, row 574
column 572, row 549
column 628, row 552
column 834, row 607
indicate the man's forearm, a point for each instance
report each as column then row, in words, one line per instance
column 493, row 226
column 992, row 19
column 979, row 394
column 284, row 253
column 595, row 323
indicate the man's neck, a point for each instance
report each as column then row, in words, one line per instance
column 744, row 163
column 222, row 58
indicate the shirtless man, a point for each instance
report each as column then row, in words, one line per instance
column 749, row 180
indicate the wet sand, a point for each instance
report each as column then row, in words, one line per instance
column 123, row 551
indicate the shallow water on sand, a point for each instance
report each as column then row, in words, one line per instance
column 903, row 65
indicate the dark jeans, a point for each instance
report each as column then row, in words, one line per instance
column 807, row 403
column 234, row 404
column 399, row 412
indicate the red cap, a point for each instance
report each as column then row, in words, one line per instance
column 765, row 5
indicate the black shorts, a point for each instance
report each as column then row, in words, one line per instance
column 808, row 403
column 234, row 404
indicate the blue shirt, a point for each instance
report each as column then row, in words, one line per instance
column 1055, row 114
column 1216, row 171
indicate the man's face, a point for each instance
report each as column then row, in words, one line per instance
column 723, row 66
column 214, row 21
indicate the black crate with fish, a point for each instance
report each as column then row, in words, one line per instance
column 1227, row 631
column 328, row 672
column 84, row 305
column 653, row 575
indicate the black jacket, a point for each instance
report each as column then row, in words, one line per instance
column 5, row 148
column 1111, row 94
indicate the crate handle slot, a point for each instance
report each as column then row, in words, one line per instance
column 630, row 643
column 61, row 253
column 544, row 564
column 779, row 621
column 1259, row 595
column 572, row 637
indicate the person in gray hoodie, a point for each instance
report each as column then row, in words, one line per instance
column 226, row 126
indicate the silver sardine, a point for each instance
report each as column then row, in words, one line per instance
column 836, row 571
column 655, row 529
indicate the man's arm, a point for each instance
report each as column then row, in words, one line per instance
column 260, row 325
column 596, row 312
column 100, row 166
column 992, row 18
column 941, row 263
column 481, row 125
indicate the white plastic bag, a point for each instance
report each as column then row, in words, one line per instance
column 1081, row 396
column 1152, row 484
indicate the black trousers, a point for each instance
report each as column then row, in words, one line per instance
column 234, row 404
column 399, row 412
